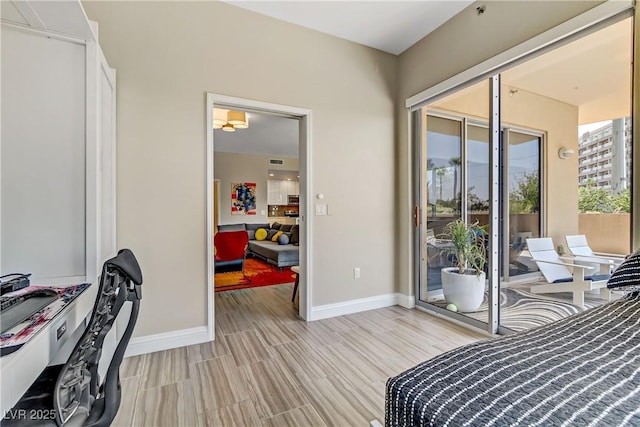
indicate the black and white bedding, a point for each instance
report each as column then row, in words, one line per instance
column 583, row 370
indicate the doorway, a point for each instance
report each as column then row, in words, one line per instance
column 303, row 117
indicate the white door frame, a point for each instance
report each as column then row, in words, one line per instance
column 304, row 116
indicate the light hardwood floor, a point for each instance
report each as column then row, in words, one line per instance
column 267, row 368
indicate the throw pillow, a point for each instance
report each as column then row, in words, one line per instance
column 283, row 239
column 270, row 234
column 275, row 236
column 295, row 235
column 627, row 275
column 286, row 227
column 261, row 234
column 276, row 226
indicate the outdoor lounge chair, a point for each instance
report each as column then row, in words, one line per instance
column 563, row 274
column 579, row 248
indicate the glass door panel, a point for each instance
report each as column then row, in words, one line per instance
column 442, row 195
column 477, row 175
column 524, row 191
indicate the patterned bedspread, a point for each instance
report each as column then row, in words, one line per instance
column 583, row 370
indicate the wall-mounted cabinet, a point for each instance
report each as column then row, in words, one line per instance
column 278, row 191
column 57, row 152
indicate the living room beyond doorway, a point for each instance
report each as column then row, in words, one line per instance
column 259, row 180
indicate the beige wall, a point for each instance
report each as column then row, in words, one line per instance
column 464, row 41
column 167, row 56
column 232, row 167
column 607, row 232
column 559, row 122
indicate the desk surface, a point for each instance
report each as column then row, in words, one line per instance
column 19, row 369
column 21, row 334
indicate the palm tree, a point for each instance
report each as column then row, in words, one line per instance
column 441, row 172
column 455, row 162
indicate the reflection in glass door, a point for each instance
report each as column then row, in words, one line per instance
column 522, row 207
column 477, row 175
column 442, row 189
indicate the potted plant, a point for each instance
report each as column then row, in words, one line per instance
column 464, row 285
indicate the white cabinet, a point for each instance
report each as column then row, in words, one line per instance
column 289, row 188
column 57, row 152
column 278, row 191
column 274, row 194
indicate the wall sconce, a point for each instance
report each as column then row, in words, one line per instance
column 565, row 153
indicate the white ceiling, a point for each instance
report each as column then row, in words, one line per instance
column 268, row 135
column 592, row 73
column 391, row 26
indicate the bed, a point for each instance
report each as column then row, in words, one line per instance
column 583, row 370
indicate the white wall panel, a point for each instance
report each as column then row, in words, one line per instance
column 42, row 156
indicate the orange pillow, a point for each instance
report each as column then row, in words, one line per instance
column 275, row 236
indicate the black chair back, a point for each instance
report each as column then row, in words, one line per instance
column 80, row 396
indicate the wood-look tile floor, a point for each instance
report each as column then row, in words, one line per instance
column 268, row 368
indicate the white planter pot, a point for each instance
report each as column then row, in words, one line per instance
column 466, row 291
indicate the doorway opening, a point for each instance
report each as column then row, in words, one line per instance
column 245, row 167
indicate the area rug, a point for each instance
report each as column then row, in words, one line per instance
column 258, row 273
column 521, row 310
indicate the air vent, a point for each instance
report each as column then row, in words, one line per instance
column 276, row 162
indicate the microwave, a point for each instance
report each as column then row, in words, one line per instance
column 293, row 199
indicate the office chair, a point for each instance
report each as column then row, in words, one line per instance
column 74, row 392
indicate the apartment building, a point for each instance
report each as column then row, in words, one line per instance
column 600, row 161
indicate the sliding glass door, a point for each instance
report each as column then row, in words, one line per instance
column 456, row 185
column 542, row 148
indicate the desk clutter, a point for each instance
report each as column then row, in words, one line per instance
column 79, row 392
column 26, row 311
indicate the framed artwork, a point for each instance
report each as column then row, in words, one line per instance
column 243, row 198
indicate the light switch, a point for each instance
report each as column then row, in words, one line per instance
column 321, row 210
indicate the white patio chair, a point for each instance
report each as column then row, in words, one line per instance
column 579, row 248
column 437, row 250
column 562, row 274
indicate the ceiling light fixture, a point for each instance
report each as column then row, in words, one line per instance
column 229, row 120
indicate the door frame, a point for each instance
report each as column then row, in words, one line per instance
column 303, row 116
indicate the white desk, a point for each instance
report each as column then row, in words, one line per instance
column 20, row 369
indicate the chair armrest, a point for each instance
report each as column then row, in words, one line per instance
column 585, row 258
column 600, row 260
column 582, row 267
column 615, row 257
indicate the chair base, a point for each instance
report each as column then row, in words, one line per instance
column 577, row 289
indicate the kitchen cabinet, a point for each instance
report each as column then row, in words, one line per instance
column 274, row 195
column 278, row 191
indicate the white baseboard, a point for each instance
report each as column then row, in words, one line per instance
column 167, row 340
column 362, row 304
column 406, row 301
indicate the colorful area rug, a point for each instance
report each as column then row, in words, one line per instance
column 258, row 273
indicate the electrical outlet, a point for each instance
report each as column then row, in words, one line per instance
column 356, row 273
